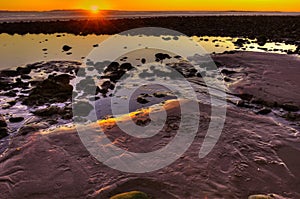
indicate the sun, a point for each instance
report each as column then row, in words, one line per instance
column 94, row 9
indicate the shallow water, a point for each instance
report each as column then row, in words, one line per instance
column 18, row 50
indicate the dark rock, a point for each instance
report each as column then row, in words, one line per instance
column 290, row 107
column 112, row 67
column 87, row 85
column 264, row 111
column 51, row 90
column 12, row 103
column 227, row 79
column 96, row 45
column 9, row 73
column 49, row 111
column 10, row 94
column 2, row 121
column 227, row 72
column 240, row 42
column 31, row 128
column 66, row 48
column 107, row 85
column 23, row 71
column 159, row 94
column 143, row 61
column 3, row 132
column 82, row 108
column 142, row 100
column 62, row 79
column 244, row 104
column 162, row 56
column 16, row 119
column 126, row 66
column 292, row 116
column 25, row 76
column 262, row 40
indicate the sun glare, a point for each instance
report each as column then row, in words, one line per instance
column 94, row 9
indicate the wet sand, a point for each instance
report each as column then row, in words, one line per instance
column 256, row 153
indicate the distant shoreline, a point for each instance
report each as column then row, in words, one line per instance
column 54, row 15
column 274, row 28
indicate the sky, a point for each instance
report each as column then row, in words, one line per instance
column 210, row 5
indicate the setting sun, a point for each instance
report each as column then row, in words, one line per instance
column 94, row 9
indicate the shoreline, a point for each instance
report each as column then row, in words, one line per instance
column 256, row 146
column 273, row 28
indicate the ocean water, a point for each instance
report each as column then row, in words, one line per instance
column 18, row 50
column 17, row 16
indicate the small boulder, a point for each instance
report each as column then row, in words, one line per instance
column 142, row 100
column 16, row 119
column 82, row 108
column 49, row 111
column 159, row 94
column 162, row 56
column 290, row 107
column 66, row 48
column 31, row 128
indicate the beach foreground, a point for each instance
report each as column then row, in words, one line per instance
column 257, row 152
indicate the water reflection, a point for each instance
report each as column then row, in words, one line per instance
column 17, row 50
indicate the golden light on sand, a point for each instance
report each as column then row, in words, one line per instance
column 94, row 9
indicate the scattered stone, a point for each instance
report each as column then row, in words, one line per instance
column 112, row 67
column 3, row 132
column 126, row 66
column 262, row 40
column 131, row 195
column 143, row 61
column 292, row 116
column 142, row 100
column 16, row 119
column 82, row 108
column 23, row 71
column 162, row 56
column 9, row 73
column 243, row 103
column 227, row 72
column 159, row 94
column 24, row 76
column 31, row 128
column 49, row 111
column 240, row 42
column 51, row 90
column 264, row 111
column 10, row 94
column 96, row 45
column 2, row 121
column 290, row 107
column 66, row 48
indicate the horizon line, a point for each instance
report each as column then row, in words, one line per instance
column 258, row 11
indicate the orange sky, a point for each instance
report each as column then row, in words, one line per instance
column 250, row 5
